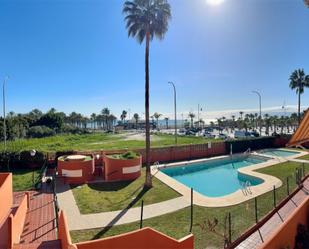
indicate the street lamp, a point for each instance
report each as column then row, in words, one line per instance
column 260, row 103
column 32, row 154
column 175, row 109
column 4, row 117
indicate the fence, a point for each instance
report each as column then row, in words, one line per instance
column 228, row 226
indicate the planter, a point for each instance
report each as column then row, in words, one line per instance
column 122, row 169
column 76, row 171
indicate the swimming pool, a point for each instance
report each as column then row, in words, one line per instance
column 278, row 152
column 216, row 178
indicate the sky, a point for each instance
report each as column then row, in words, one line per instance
column 75, row 55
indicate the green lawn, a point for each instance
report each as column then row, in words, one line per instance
column 95, row 141
column 177, row 224
column 306, row 157
column 103, row 197
column 22, row 178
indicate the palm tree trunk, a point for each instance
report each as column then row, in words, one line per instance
column 298, row 106
column 148, row 182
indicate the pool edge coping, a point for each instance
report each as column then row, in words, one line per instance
column 236, row 197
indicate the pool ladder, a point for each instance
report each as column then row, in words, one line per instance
column 155, row 166
column 246, row 188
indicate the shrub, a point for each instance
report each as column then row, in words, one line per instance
column 127, row 155
column 73, row 130
column 40, row 131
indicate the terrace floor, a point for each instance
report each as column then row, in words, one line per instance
column 257, row 238
column 40, row 224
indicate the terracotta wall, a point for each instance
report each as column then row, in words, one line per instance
column 64, row 233
column 185, row 152
column 6, row 194
column 140, row 239
column 284, row 237
column 17, row 221
column 114, row 169
column 5, row 206
column 87, row 168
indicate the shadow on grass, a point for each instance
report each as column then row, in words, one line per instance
column 121, row 214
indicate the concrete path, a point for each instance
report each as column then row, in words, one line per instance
column 299, row 160
column 78, row 221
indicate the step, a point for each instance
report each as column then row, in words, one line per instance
column 53, row 244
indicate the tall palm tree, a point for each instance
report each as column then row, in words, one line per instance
column 166, row 122
column 136, row 117
column 146, row 19
column 157, row 116
column 241, row 113
column 191, row 116
column 299, row 80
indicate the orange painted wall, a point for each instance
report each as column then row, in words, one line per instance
column 63, row 232
column 87, row 168
column 6, row 201
column 284, row 237
column 18, row 221
column 6, row 194
column 113, row 168
column 140, row 239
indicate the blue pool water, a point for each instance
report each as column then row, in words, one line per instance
column 217, row 177
column 278, row 152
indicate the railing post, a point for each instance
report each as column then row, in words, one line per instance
column 288, row 186
column 256, row 210
column 304, row 173
column 191, row 221
column 274, row 191
column 142, row 211
column 33, row 179
column 296, row 177
column 230, row 228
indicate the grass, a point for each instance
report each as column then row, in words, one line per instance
column 96, row 141
column 306, row 157
column 103, row 197
column 177, row 224
column 22, row 178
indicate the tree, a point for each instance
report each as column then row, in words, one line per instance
column 146, row 19
column 123, row 116
column 299, row 80
column 166, row 122
column 306, row 3
column 191, row 116
column 157, row 116
column 241, row 113
column 93, row 118
column 136, row 117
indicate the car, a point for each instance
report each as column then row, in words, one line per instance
column 190, row 133
column 240, row 134
column 208, row 135
column 221, row 136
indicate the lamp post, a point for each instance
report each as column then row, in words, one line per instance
column 4, row 114
column 260, row 103
column 32, row 154
column 175, row 109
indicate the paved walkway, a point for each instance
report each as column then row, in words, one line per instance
column 299, row 160
column 78, row 221
column 257, row 238
column 40, row 227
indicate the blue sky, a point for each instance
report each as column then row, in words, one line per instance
column 75, row 55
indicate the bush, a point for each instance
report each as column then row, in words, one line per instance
column 40, row 131
column 23, row 159
column 73, row 130
column 127, row 155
